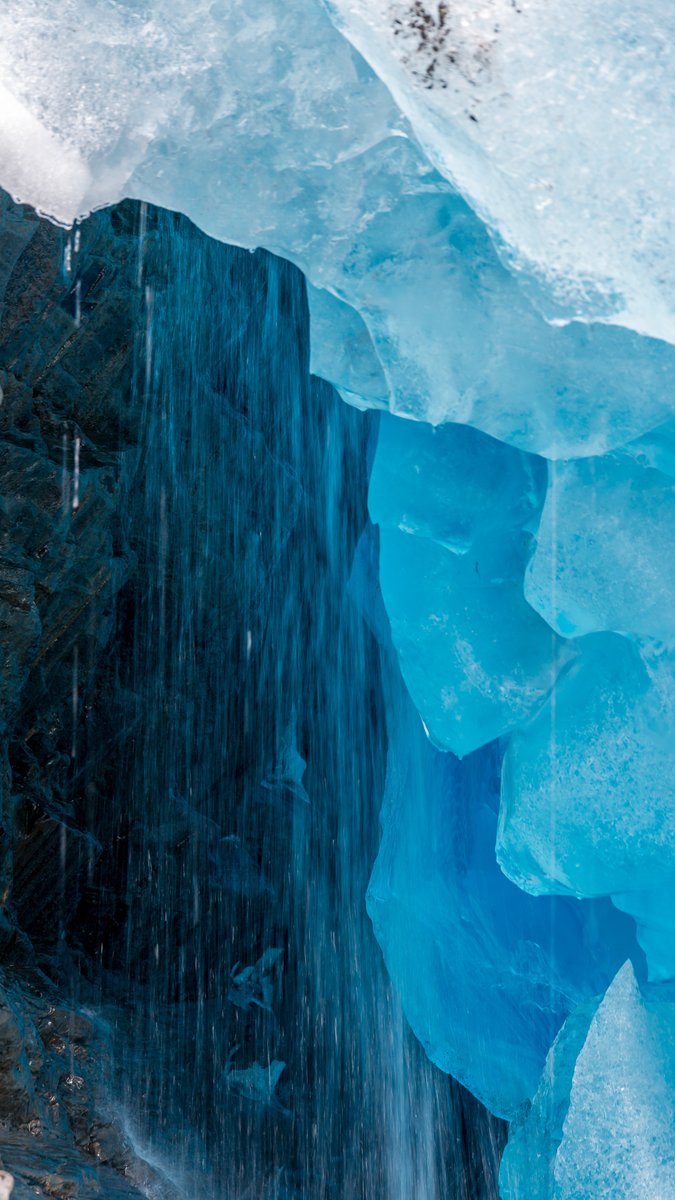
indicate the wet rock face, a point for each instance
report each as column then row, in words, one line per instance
column 67, row 420
column 65, row 424
column 57, row 1137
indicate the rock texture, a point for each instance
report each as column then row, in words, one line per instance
column 66, row 422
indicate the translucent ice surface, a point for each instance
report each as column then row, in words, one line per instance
column 452, row 484
column 480, row 197
column 452, row 506
column 655, row 449
column 477, row 660
column 267, row 128
column 602, row 1120
column 487, row 974
column 556, row 120
column 604, row 549
column 588, row 799
column 654, row 913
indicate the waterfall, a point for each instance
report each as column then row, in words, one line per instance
column 228, row 741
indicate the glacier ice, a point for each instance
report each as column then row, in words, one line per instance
column 449, row 229
column 603, row 558
column 656, row 448
column 602, row 1119
column 452, row 507
column 342, row 351
column 459, row 341
column 617, row 1136
column 486, row 973
column 654, row 912
column 477, row 660
column 528, row 1162
column 452, row 484
column 530, row 108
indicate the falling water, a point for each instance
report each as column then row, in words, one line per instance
column 260, row 1050
column 199, row 758
column 286, row 777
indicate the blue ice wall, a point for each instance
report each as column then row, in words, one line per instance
column 529, row 798
column 487, row 973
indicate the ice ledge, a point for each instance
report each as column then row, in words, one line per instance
column 555, row 120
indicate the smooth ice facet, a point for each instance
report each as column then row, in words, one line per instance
column 604, row 556
column 342, row 351
column 486, row 973
column 601, row 1122
column 654, row 913
column 452, row 484
column 452, row 506
column 267, row 129
column 588, row 797
column 655, row 448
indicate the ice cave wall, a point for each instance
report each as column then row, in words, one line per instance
column 529, row 601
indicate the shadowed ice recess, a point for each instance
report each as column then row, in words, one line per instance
column 480, row 200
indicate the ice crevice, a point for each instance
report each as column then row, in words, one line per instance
column 485, row 258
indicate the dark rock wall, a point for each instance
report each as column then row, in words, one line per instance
column 193, row 745
column 66, row 421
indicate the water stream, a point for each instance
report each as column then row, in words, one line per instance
column 260, row 1049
